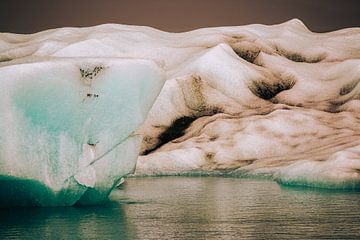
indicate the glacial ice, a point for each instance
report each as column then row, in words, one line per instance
column 273, row 101
column 67, row 127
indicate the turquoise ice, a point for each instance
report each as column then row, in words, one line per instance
column 67, row 127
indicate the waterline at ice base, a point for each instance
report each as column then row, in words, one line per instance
column 82, row 107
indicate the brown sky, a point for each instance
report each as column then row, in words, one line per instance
column 27, row 16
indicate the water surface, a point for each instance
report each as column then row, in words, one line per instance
column 195, row 208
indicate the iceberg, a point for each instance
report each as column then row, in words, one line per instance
column 276, row 101
column 67, row 127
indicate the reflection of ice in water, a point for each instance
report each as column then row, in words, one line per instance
column 226, row 208
column 195, row 208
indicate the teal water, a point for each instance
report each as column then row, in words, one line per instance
column 195, row 208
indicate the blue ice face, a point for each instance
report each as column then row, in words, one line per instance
column 63, row 119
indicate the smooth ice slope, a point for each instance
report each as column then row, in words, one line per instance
column 67, row 127
column 277, row 101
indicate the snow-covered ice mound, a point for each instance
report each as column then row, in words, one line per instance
column 277, row 101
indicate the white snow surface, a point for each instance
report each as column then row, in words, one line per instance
column 278, row 101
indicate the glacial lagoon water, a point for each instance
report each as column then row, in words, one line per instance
column 195, row 208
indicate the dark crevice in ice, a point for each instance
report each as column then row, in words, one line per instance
column 267, row 90
column 5, row 59
column 297, row 57
column 247, row 55
column 349, row 87
column 174, row 131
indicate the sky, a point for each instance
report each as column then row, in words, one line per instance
column 29, row 16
